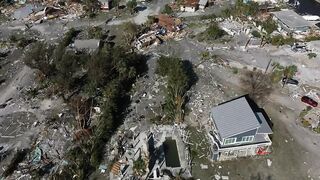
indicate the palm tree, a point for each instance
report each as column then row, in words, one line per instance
column 289, row 72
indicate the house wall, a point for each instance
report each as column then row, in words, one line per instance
column 239, row 136
column 188, row 9
column 239, row 151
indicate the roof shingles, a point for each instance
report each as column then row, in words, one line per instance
column 234, row 117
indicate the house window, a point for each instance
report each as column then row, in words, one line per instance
column 247, row 138
column 230, row 141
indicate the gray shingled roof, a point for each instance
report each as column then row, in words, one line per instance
column 234, row 117
column 265, row 128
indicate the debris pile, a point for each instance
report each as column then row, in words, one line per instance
column 164, row 28
column 38, row 12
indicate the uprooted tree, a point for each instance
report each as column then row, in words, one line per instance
column 257, row 84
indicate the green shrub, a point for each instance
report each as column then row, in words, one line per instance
column 235, row 70
column 167, row 9
column 256, row 34
column 305, row 123
column 312, row 55
column 312, row 38
column 317, row 129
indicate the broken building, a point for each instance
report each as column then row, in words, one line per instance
column 105, row 4
column 146, row 40
column 239, row 129
column 169, row 23
column 291, row 22
column 203, row 4
column 189, row 5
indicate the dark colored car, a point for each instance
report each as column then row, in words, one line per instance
column 309, row 101
column 290, row 81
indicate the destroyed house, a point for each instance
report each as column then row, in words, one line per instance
column 189, row 5
column 239, row 129
column 290, row 21
column 169, row 23
column 105, row 4
column 146, row 40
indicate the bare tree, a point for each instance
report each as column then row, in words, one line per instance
column 257, row 84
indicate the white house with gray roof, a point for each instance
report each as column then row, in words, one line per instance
column 239, row 129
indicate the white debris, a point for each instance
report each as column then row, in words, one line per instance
column 217, row 177
column 286, row 141
column 201, row 66
column 203, row 166
column 269, row 162
column 97, row 109
column 60, row 115
column 225, row 177
column 220, row 167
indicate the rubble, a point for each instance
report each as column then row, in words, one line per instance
column 148, row 145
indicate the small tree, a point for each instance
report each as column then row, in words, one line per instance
column 214, row 31
column 257, row 84
column 256, row 34
column 132, row 5
column 130, row 31
column 167, row 9
column 289, row 72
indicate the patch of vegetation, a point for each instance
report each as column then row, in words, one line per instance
column 256, row 34
column 242, row 9
column 312, row 55
column 279, row 72
column 305, row 123
column 213, row 32
column 131, row 30
column 208, row 16
column 131, row 5
column 312, row 38
column 180, row 78
column 257, row 84
column 235, row 70
column 167, row 9
column 279, row 40
column 139, row 166
column 95, row 32
column 304, row 112
column 20, row 40
column 268, row 25
column 316, row 129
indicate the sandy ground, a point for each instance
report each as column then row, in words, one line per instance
column 295, row 149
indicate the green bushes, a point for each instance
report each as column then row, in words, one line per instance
column 106, row 76
column 167, row 10
column 95, row 32
column 279, row 40
column 242, row 9
column 213, row 32
column 268, row 25
column 256, row 34
column 312, row 38
column 312, row 55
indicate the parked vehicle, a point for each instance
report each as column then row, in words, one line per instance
column 309, row 101
column 290, row 81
